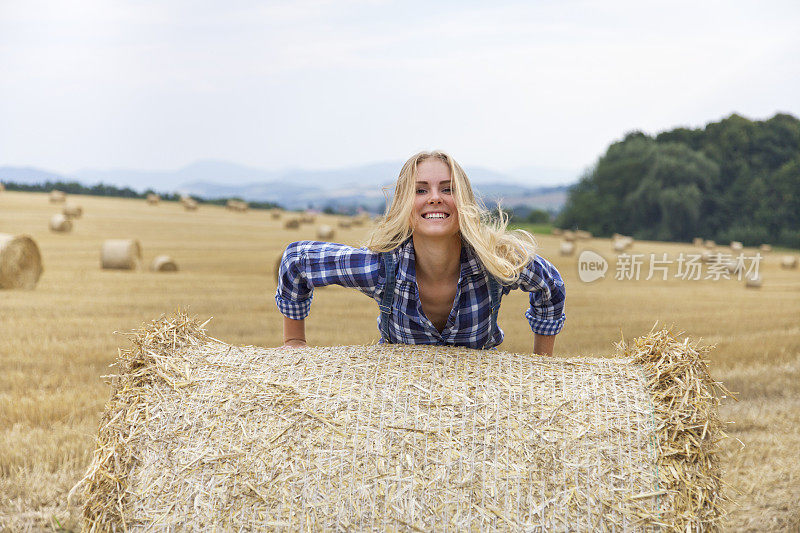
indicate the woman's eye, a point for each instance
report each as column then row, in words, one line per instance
column 421, row 191
column 446, row 190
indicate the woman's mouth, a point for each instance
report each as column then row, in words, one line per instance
column 429, row 216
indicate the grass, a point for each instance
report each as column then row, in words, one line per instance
column 57, row 341
column 535, row 229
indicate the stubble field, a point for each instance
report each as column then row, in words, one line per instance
column 57, row 341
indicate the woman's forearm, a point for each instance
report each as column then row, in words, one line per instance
column 543, row 344
column 294, row 331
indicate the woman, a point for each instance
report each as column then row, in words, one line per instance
column 436, row 264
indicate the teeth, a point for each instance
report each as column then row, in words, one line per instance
column 435, row 215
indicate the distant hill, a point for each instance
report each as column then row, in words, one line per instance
column 364, row 186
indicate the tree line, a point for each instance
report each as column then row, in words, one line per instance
column 735, row 179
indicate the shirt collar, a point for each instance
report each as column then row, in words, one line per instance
column 470, row 264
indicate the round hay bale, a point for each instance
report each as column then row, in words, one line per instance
column 734, row 267
column 394, row 437
column 60, row 223
column 345, row 223
column 275, row 214
column 568, row 235
column 2, row 187
column 710, row 244
column 325, row 232
column 236, row 205
column 57, row 197
column 163, row 263
column 583, row 235
column 72, row 211
column 121, row 254
column 557, row 232
column 697, row 241
column 308, row 217
column 189, row 204
column 765, row 248
column 20, row 262
column 567, row 248
column 753, row 282
column 789, row 261
column 153, row 199
column 291, row 223
column 736, row 246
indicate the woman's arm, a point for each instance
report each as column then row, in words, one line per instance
column 543, row 344
column 294, row 333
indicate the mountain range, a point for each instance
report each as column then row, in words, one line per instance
column 365, row 186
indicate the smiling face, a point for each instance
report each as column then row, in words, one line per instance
column 435, row 213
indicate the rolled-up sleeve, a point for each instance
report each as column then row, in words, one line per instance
column 309, row 264
column 547, row 296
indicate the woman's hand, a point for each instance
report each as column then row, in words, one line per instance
column 295, row 343
column 543, row 344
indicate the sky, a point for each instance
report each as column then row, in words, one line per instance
column 328, row 84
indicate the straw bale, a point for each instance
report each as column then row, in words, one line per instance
column 72, row 211
column 582, row 235
column 276, row 213
column 60, row 223
column 345, row 223
column 622, row 243
column 753, row 282
column 710, row 244
column 736, row 246
column 291, row 223
column 325, row 232
column 765, row 248
column 121, row 254
column 566, row 248
column 153, row 199
column 57, row 197
column 308, row 217
column 557, row 232
column 2, row 187
column 20, row 262
column 789, row 261
column 189, row 204
column 568, row 235
column 163, row 263
column 697, row 242
column 202, row 435
column 236, row 205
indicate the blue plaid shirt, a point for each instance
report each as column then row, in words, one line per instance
column 309, row 264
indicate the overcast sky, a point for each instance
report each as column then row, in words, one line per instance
column 315, row 84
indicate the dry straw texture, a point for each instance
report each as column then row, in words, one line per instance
column 163, row 263
column 121, row 254
column 200, row 434
column 20, row 262
column 60, row 223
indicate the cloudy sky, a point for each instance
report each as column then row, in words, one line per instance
column 323, row 84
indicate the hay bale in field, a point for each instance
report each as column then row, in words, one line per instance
column 72, row 211
column 753, row 282
column 2, row 187
column 275, row 213
column 57, row 197
column 622, row 243
column 60, row 223
column 765, row 248
column 291, row 223
column 789, row 261
column 308, row 217
column 20, row 262
column 201, row 435
column 121, row 254
column 237, row 206
column 568, row 235
column 325, row 232
column 697, row 241
column 710, row 244
column 558, row 232
column 153, row 199
column 189, row 204
column 345, row 223
column 566, row 248
column 736, row 246
column 582, row 235
column 163, row 263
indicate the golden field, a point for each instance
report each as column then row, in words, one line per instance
column 57, row 341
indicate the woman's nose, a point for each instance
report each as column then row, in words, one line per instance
column 434, row 198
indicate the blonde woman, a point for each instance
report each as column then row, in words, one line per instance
column 436, row 264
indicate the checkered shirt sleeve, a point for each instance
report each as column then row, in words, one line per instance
column 309, row 264
column 547, row 294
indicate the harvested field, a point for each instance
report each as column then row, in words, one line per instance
column 57, row 340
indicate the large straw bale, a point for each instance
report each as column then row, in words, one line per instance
column 566, row 248
column 237, row 205
column 697, row 241
column 57, row 197
column 736, row 246
column 557, row 232
column 121, row 254
column 201, row 435
column 60, row 223
column 189, row 204
column 568, row 235
column 710, row 244
column 163, row 263
column 20, row 262
column 2, row 187
column 765, row 248
column 291, row 223
column 583, row 235
column 153, row 199
column 753, row 282
column 622, row 243
column 308, row 217
column 345, row 223
column 72, row 211
column 275, row 213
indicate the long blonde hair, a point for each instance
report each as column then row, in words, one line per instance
column 504, row 253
